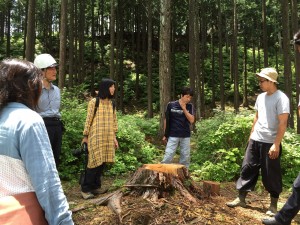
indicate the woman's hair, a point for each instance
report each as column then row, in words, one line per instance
column 104, row 86
column 20, row 81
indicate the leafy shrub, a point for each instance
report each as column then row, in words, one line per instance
column 222, row 168
column 290, row 159
column 220, row 146
column 134, row 150
column 73, row 114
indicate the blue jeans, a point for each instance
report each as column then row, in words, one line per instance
column 172, row 145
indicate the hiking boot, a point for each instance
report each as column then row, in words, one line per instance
column 273, row 207
column 271, row 221
column 99, row 191
column 87, row 195
column 239, row 201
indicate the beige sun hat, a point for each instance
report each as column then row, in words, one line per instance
column 269, row 73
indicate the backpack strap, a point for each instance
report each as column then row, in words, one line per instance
column 96, row 105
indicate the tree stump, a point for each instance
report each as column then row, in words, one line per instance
column 152, row 182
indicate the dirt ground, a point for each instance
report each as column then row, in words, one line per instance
column 173, row 209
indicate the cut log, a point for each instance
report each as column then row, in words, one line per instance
column 211, row 188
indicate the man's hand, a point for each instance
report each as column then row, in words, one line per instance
column 182, row 104
column 274, row 152
column 165, row 140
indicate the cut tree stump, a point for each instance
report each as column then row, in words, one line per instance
column 152, row 182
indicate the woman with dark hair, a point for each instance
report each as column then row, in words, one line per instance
column 30, row 188
column 100, row 136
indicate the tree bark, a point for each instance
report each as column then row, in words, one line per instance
column 30, row 36
column 297, row 58
column 63, row 42
column 220, row 39
column 265, row 32
column 149, row 60
column 112, row 39
column 235, row 74
column 287, row 58
column 71, row 44
column 164, row 59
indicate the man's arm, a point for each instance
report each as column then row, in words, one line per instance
column 190, row 117
column 274, row 150
column 253, row 124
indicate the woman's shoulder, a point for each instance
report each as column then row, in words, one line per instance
column 21, row 115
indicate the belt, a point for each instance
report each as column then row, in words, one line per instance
column 51, row 118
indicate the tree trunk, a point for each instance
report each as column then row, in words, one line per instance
column 193, row 36
column 220, row 39
column 235, row 59
column 120, row 76
column 71, row 44
column 164, row 59
column 8, row 26
column 245, row 91
column 287, row 58
column 149, row 61
column 112, row 39
column 30, row 36
column 265, row 33
column 63, row 42
column 138, row 51
column 93, row 50
column 297, row 58
column 81, row 40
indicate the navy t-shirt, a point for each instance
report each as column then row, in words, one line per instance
column 179, row 126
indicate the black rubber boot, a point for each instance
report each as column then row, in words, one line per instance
column 273, row 207
column 239, row 201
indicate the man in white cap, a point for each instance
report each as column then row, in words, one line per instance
column 292, row 205
column 264, row 147
column 49, row 103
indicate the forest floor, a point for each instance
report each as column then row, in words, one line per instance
column 173, row 209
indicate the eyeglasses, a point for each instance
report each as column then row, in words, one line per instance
column 261, row 81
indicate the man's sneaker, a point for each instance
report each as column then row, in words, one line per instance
column 99, row 191
column 270, row 221
column 87, row 195
column 236, row 202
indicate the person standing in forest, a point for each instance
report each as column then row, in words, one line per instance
column 30, row 189
column 100, row 136
column 264, row 147
column 49, row 103
column 292, row 205
column 179, row 116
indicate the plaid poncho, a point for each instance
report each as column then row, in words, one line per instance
column 101, row 132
